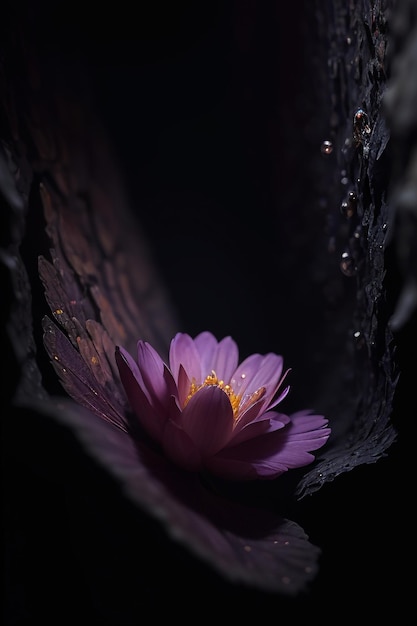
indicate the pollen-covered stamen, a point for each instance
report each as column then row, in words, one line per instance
column 235, row 399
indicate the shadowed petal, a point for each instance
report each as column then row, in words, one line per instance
column 152, row 367
column 124, row 359
column 244, row 545
column 184, row 386
column 265, row 423
column 231, row 468
column 152, row 420
column 274, row 453
column 180, row 448
column 208, row 419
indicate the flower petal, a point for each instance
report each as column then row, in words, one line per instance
column 265, row 423
column 180, row 448
column 274, row 453
column 267, row 375
column 152, row 420
column 244, row 372
column 206, row 344
column 230, row 468
column 208, row 419
column 281, row 396
column 158, row 383
column 183, row 352
column 243, row 544
column 222, row 357
column 123, row 359
column 184, row 386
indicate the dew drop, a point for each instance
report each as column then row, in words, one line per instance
column 344, row 209
column 352, row 197
column 358, row 339
column 326, row 147
column 361, row 127
column 247, row 548
column 348, row 206
column 347, row 264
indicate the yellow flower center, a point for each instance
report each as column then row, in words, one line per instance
column 235, row 399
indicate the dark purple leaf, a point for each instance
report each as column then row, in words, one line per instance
column 246, row 545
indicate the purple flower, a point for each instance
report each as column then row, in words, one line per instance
column 210, row 413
